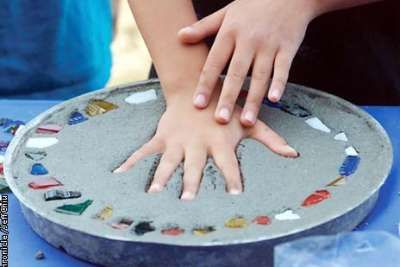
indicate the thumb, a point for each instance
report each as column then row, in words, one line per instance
column 203, row 28
column 268, row 137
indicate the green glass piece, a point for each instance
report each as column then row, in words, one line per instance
column 74, row 209
column 4, row 186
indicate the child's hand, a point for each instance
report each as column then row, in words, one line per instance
column 262, row 33
column 185, row 133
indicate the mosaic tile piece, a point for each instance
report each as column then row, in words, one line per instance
column 76, row 117
column 262, row 220
column 104, row 214
column 43, row 183
column 141, row 97
column 296, row 110
column 41, row 142
column 12, row 126
column 316, row 197
column 4, row 188
column 203, row 230
column 49, row 129
column 351, row 151
column 317, row 124
column 3, row 183
column 97, row 107
column 60, row 194
column 1, row 170
column 349, row 165
column 39, row 255
column 74, row 209
column 143, row 228
column 38, row 169
column 172, row 231
column 287, row 215
column 292, row 109
column 3, row 146
column 122, row 223
column 277, row 105
column 36, row 156
column 341, row 180
column 12, row 129
column 341, row 137
column 236, row 222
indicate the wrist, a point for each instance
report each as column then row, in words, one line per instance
column 178, row 89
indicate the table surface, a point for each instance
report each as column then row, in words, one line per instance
column 23, row 242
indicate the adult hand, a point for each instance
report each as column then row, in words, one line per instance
column 185, row 133
column 265, row 34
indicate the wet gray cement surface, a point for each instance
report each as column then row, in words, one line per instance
column 86, row 154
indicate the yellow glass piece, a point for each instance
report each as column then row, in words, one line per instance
column 104, row 214
column 98, row 107
column 341, row 180
column 201, row 231
column 236, row 222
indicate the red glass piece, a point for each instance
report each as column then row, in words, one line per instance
column 44, row 183
column 48, row 129
column 262, row 220
column 173, row 231
column 316, row 197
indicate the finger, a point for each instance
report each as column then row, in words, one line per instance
column 258, row 88
column 227, row 162
column 151, row 147
column 195, row 160
column 216, row 61
column 282, row 64
column 203, row 28
column 238, row 69
column 264, row 134
column 170, row 160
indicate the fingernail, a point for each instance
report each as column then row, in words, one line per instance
column 155, row 188
column 224, row 114
column 249, row 116
column 187, row 30
column 235, row 192
column 187, row 196
column 118, row 170
column 274, row 95
column 291, row 151
column 200, row 100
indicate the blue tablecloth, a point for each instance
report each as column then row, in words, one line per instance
column 23, row 242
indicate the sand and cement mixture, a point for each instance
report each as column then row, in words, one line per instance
column 345, row 158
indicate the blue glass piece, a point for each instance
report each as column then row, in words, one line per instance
column 76, row 117
column 3, row 146
column 38, row 169
column 292, row 109
column 270, row 104
column 349, row 165
column 296, row 110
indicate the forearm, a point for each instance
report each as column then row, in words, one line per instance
column 178, row 65
column 325, row 6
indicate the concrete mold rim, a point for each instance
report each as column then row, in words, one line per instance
column 136, row 87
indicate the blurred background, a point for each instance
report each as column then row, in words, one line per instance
column 131, row 60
